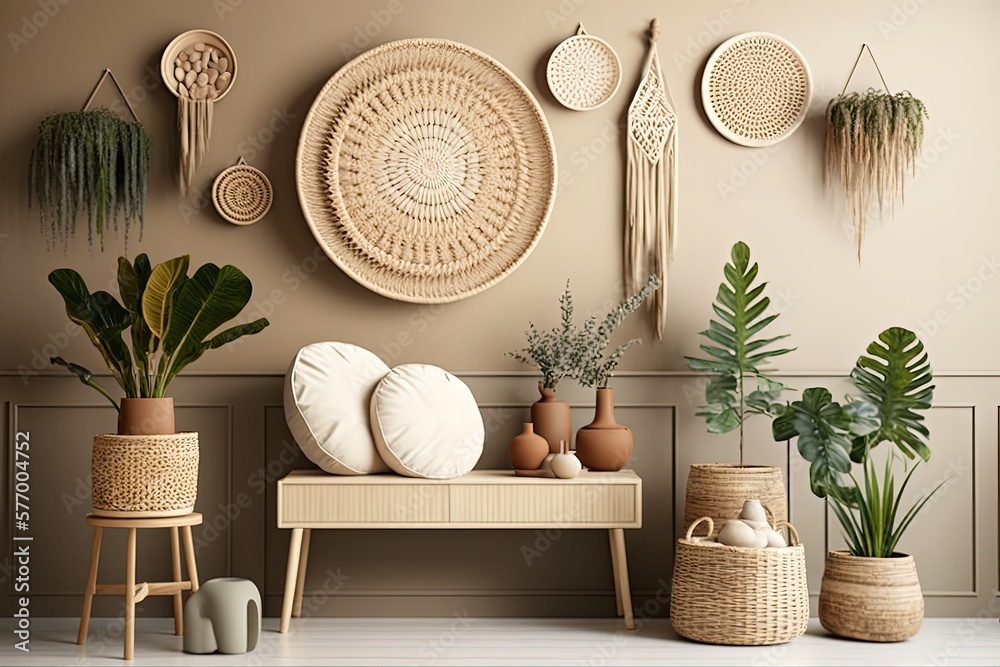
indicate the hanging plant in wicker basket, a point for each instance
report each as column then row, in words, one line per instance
column 90, row 162
column 242, row 194
column 872, row 143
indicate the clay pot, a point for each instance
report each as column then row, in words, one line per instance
column 604, row 444
column 873, row 599
column 528, row 450
column 719, row 491
column 146, row 416
column 551, row 418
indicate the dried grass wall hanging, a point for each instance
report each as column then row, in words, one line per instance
column 90, row 162
column 651, row 183
column 199, row 67
column 872, row 142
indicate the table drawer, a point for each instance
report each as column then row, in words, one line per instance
column 302, row 504
column 549, row 504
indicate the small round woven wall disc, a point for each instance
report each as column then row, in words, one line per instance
column 584, row 72
column 756, row 89
column 242, row 194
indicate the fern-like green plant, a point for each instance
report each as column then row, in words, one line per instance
column 738, row 355
column 92, row 164
column 895, row 385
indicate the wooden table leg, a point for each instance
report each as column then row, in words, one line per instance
column 192, row 564
column 618, row 535
column 300, row 578
column 291, row 570
column 614, row 572
column 175, row 564
column 130, row 595
column 88, row 595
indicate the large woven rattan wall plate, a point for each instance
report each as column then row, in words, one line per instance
column 756, row 89
column 426, row 170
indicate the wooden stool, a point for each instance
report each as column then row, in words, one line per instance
column 133, row 592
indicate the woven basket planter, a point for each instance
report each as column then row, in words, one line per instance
column 719, row 490
column 732, row 595
column 145, row 475
column 873, row 599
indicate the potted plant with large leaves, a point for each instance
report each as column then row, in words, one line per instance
column 737, row 358
column 870, row 591
column 147, row 469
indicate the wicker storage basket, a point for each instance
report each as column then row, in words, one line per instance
column 732, row 595
column 717, row 490
column 145, row 475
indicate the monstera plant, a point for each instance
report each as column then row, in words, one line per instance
column 894, row 381
column 738, row 356
column 170, row 318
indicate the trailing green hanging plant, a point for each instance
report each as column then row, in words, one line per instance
column 89, row 163
column 873, row 140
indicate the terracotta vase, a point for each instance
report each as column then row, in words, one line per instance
column 528, row 450
column 604, row 444
column 873, row 599
column 718, row 490
column 551, row 418
column 146, row 416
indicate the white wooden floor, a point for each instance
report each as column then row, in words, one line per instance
column 492, row 641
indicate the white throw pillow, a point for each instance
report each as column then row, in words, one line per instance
column 426, row 423
column 328, row 389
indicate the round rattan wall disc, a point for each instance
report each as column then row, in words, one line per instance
column 242, row 194
column 584, row 72
column 756, row 89
column 426, row 170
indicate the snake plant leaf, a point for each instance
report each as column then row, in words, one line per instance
column 896, row 380
column 104, row 320
column 736, row 354
column 158, row 297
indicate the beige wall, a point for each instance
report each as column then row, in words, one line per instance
column 931, row 268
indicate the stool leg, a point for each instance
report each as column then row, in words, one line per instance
column 130, row 595
column 291, row 570
column 88, row 595
column 192, row 565
column 175, row 564
column 300, row 581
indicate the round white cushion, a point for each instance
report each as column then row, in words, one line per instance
column 426, row 423
column 327, row 392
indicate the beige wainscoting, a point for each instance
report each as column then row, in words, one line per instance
column 246, row 448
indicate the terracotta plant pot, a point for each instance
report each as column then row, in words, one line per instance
column 528, row 450
column 872, row 599
column 604, row 444
column 146, row 416
column 718, row 490
column 551, row 418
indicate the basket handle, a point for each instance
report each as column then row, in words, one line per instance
column 711, row 526
column 793, row 535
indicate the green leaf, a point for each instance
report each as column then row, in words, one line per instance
column 86, row 377
column 104, row 320
column 896, row 380
column 157, row 300
column 724, row 422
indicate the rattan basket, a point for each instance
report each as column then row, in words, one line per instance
column 734, row 595
column 242, row 194
column 145, row 475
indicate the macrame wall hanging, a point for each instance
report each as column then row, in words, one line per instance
column 199, row 67
column 651, row 184
column 873, row 140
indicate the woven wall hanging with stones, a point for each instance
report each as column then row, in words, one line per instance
column 756, row 89
column 242, row 194
column 426, row 170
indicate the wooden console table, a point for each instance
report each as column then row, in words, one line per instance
column 482, row 499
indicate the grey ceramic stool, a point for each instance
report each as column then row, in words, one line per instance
column 223, row 615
